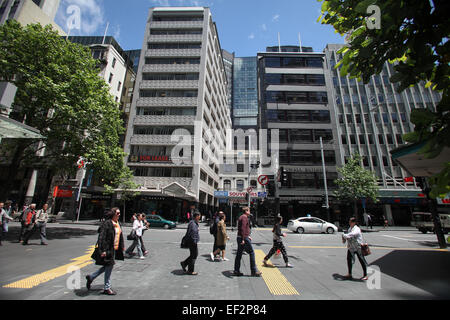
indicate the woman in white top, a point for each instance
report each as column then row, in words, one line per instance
column 354, row 240
column 138, row 227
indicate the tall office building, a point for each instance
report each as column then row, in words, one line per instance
column 245, row 93
column 295, row 98
column 181, row 84
column 228, row 61
column 31, row 11
column 372, row 118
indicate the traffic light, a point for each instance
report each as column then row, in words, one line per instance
column 284, row 177
column 271, row 188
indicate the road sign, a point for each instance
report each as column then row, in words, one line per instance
column 263, row 180
column 262, row 194
column 249, row 189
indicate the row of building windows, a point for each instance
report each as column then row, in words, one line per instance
column 306, row 157
column 394, row 117
column 168, row 93
column 179, row 45
column 158, row 111
column 374, row 161
column 294, row 79
column 310, row 180
column 175, row 31
column 177, row 18
column 362, row 139
column 162, row 172
column 293, row 62
column 172, row 60
column 296, row 97
column 317, row 116
column 305, row 135
column 168, row 130
column 170, row 76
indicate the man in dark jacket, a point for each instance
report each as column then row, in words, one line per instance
column 244, row 242
column 193, row 238
column 110, row 248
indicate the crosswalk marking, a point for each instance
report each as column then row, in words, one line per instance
column 276, row 282
column 33, row 281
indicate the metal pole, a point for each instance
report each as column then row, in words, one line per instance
column 325, row 180
column 79, row 198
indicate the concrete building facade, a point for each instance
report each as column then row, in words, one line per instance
column 181, row 89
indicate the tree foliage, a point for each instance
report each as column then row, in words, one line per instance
column 356, row 182
column 61, row 94
column 413, row 35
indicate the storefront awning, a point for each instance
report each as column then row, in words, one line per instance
column 11, row 129
column 415, row 163
column 177, row 190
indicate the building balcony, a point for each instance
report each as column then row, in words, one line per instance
column 169, row 84
column 175, row 38
column 163, row 140
column 175, row 24
column 171, row 68
column 164, row 120
column 173, row 53
column 167, row 102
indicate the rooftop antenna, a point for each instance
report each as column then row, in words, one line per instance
column 106, row 30
column 300, row 42
column 279, row 43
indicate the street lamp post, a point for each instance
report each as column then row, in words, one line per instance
column 325, row 181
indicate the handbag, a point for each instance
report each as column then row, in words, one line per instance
column 365, row 249
column 184, row 242
column 132, row 235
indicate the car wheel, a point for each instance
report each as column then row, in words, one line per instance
column 330, row 230
column 300, row 230
column 166, row 226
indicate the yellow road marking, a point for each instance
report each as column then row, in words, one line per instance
column 46, row 276
column 376, row 248
column 277, row 283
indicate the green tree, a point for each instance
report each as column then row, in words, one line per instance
column 61, row 94
column 412, row 35
column 356, row 183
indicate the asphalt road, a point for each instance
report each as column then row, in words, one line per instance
column 410, row 265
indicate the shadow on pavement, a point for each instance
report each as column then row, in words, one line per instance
column 426, row 270
column 52, row 233
column 339, row 277
column 178, row 273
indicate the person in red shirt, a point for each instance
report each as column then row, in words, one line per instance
column 244, row 242
column 29, row 223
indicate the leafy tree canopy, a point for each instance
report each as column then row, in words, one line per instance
column 61, row 94
column 412, row 35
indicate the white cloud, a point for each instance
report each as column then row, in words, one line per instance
column 264, row 27
column 91, row 16
column 251, row 36
column 275, row 18
column 117, row 32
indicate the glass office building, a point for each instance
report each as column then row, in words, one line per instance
column 245, row 93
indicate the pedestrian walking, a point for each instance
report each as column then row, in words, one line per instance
column 278, row 243
column 213, row 231
column 29, row 222
column 244, row 242
column 22, row 223
column 354, row 240
column 110, row 247
column 138, row 227
column 370, row 219
column 41, row 223
column 221, row 238
column 5, row 217
column 193, row 238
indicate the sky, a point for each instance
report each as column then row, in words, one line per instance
column 245, row 27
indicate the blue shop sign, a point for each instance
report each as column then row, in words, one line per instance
column 221, row 194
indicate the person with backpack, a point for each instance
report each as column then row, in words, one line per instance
column 221, row 238
column 192, row 238
column 213, row 231
column 278, row 243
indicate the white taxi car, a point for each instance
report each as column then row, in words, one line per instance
column 311, row 225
